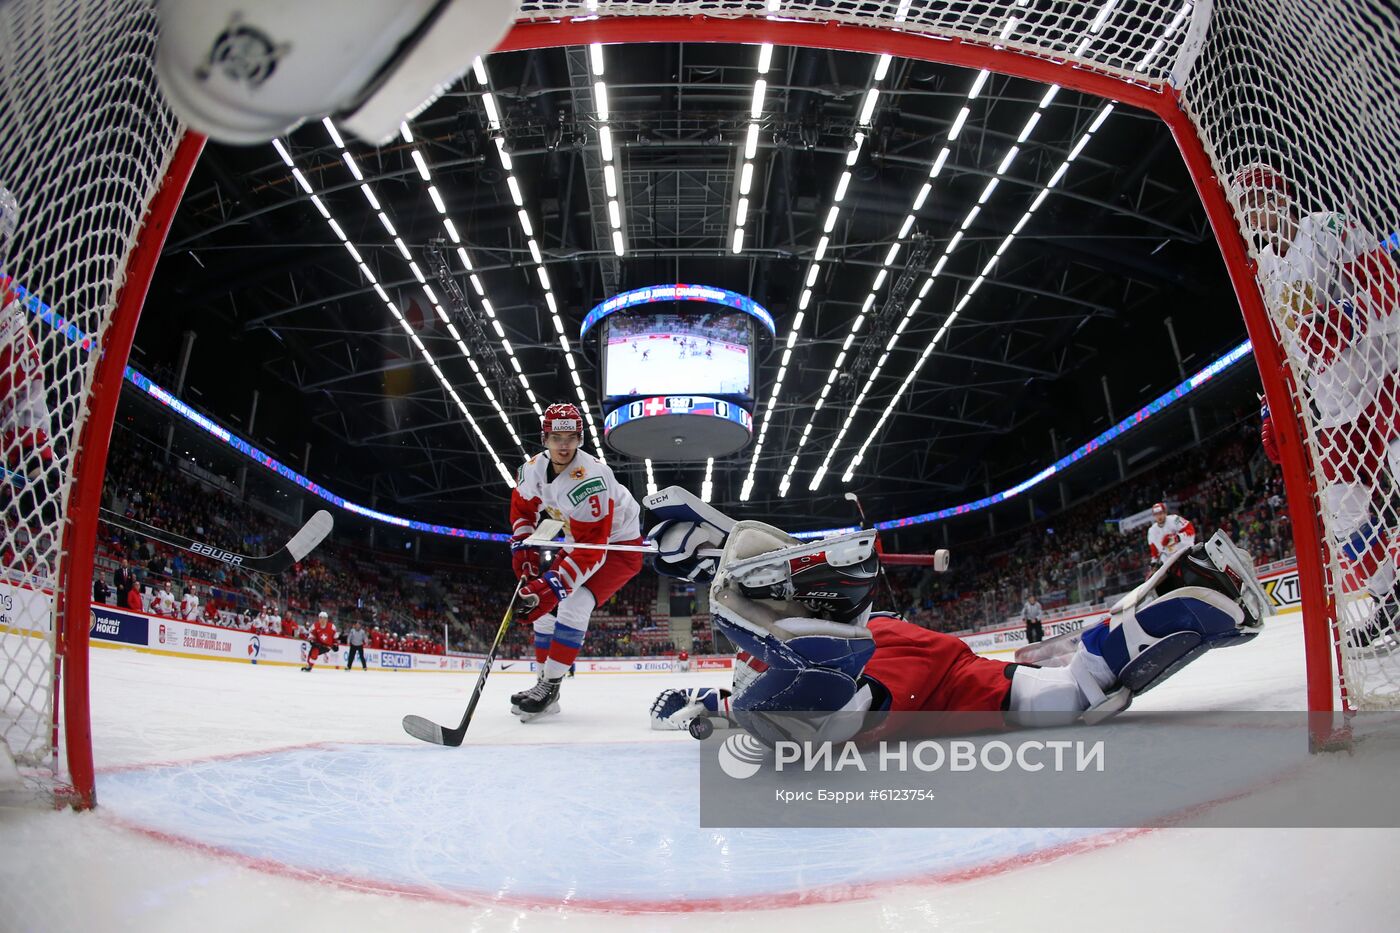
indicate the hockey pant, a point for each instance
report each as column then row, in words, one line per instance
column 559, row 634
column 1352, row 458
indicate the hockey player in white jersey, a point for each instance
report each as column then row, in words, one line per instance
column 189, row 605
column 569, row 485
column 816, row 662
column 25, row 421
column 1168, row 533
column 1333, row 290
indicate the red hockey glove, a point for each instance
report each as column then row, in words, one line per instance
column 1267, row 439
column 543, row 593
column 533, row 615
column 524, row 560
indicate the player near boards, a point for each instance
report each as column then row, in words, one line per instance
column 1332, row 290
column 322, row 639
column 569, row 485
column 1034, row 617
column 189, row 604
column 816, row 660
column 1168, row 533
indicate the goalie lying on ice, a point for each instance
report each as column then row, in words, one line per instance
column 808, row 642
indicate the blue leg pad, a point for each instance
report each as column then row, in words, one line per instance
column 1162, row 660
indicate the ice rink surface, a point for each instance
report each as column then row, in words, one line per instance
column 234, row 797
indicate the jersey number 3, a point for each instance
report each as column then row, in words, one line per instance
column 596, row 504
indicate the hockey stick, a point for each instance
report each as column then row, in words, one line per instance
column 545, row 532
column 429, row 731
column 884, row 575
column 279, row 561
column 14, row 477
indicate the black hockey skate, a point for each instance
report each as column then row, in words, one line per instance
column 1379, row 635
column 515, row 698
column 539, row 700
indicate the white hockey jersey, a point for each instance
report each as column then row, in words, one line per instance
column 1332, row 294
column 594, row 507
column 1169, row 537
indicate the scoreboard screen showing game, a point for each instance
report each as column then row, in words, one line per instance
column 665, row 353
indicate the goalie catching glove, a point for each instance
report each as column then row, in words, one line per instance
column 674, row 709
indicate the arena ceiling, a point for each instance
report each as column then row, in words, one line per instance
column 1068, row 320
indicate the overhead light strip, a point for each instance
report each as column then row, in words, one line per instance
column 886, row 273
column 882, row 65
column 497, row 134
column 485, row 301
column 1095, row 124
column 962, row 303
column 1099, row 443
column 339, row 232
column 750, row 150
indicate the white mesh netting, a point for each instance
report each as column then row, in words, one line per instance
column 1297, row 104
column 1305, row 90
column 1138, row 40
column 84, row 141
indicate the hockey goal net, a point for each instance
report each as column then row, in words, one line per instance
column 85, row 142
column 1285, row 112
column 1307, row 91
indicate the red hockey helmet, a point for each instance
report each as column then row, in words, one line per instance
column 561, row 417
column 1256, row 176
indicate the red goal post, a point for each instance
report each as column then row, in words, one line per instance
column 97, row 167
column 1237, row 82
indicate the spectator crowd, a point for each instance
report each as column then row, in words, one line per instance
column 1078, row 556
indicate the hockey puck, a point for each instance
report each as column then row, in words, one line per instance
column 701, row 728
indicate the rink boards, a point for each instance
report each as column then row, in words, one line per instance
column 26, row 611
column 1280, row 584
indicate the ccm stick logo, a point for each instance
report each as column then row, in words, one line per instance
column 219, row 554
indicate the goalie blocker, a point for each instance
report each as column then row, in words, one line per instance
column 816, row 663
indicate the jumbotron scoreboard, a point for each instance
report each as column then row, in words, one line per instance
column 677, row 365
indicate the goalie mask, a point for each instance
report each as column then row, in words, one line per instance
column 839, row 593
column 796, row 612
column 244, row 71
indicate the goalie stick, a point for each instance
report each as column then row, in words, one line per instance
column 547, row 529
column 279, row 561
column 429, row 731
